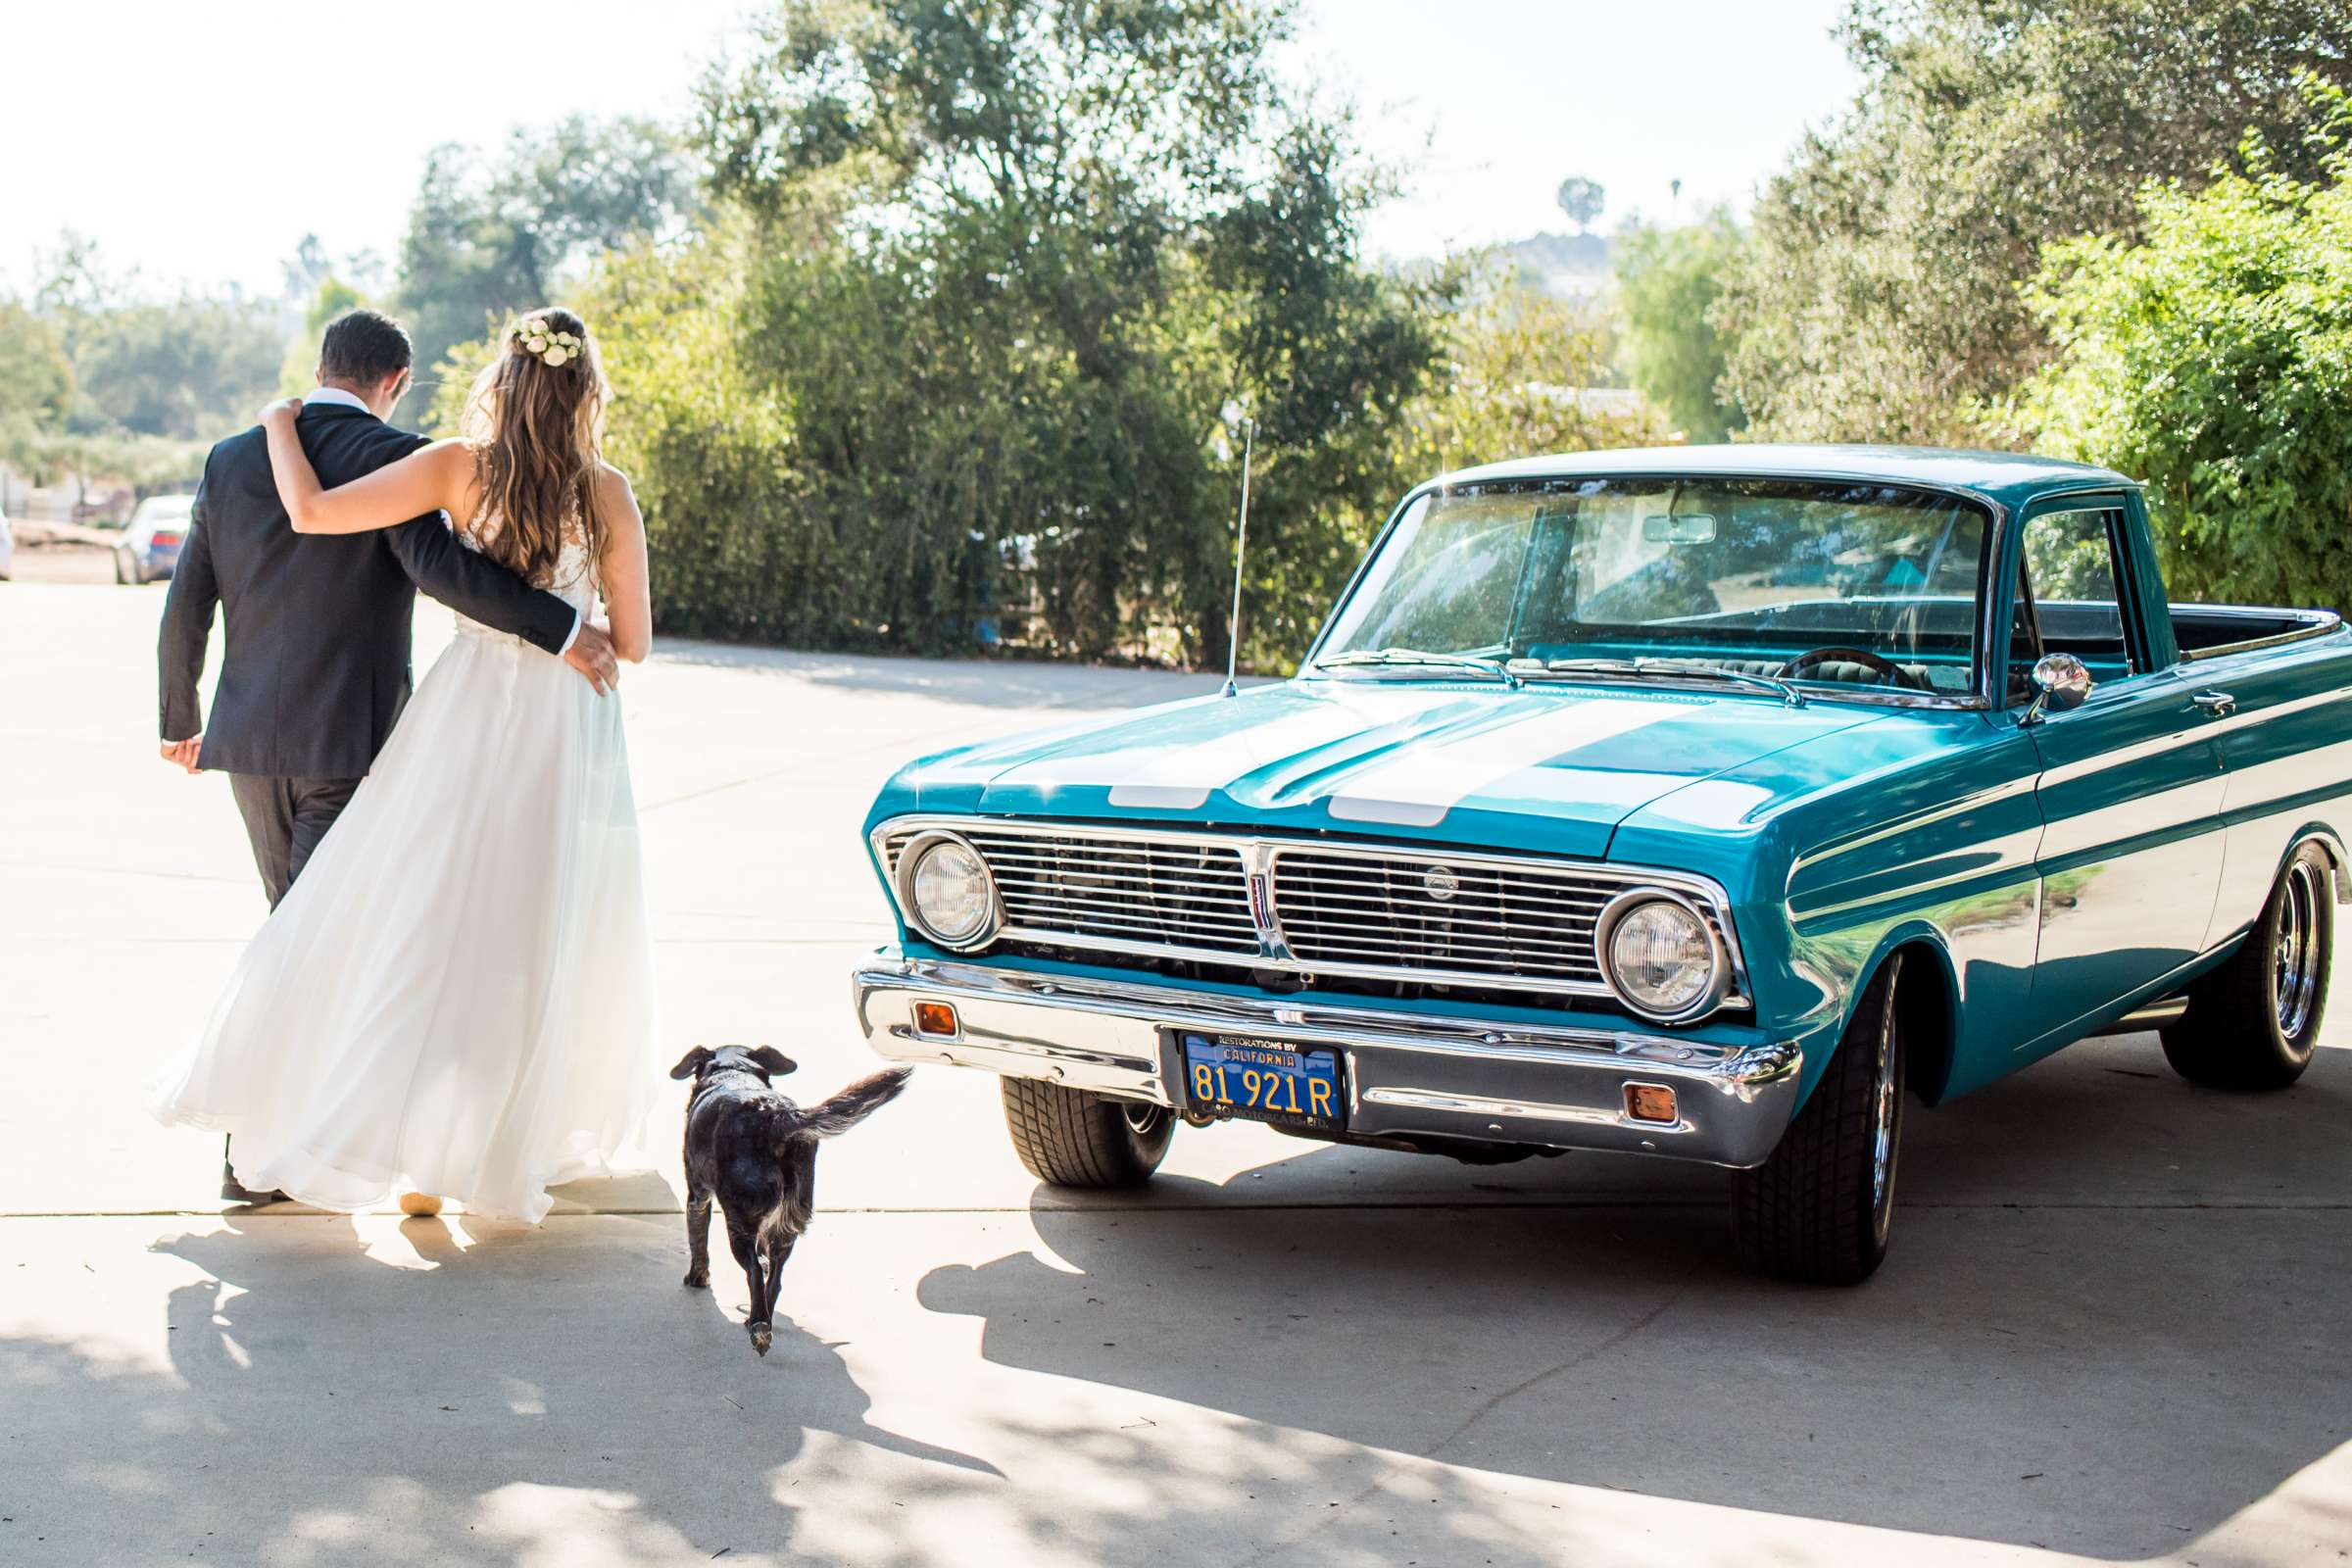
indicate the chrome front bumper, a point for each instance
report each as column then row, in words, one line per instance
column 1407, row 1074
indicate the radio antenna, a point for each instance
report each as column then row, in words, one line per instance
column 1240, row 549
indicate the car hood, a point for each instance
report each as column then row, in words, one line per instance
column 1546, row 768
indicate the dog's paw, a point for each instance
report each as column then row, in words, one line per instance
column 762, row 1336
column 697, row 1279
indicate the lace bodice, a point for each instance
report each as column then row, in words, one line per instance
column 573, row 580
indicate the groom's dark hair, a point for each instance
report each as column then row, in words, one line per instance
column 363, row 346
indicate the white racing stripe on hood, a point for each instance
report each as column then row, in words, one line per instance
column 1179, row 778
column 1432, row 778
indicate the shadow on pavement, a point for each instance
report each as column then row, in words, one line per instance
column 637, row 1191
column 2113, row 1370
column 531, row 1388
column 2067, row 1349
column 556, row 1429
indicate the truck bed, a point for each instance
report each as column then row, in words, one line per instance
column 2205, row 630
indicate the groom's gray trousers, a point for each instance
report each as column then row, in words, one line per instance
column 284, row 819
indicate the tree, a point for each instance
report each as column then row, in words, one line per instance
column 709, row 446
column 1523, row 374
column 185, row 369
column 313, row 274
column 1008, row 264
column 1582, row 200
column 98, row 384
column 330, row 297
column 2212, row 359
column 36, row 384
column 36, row 380
column 490, row 236
column 1668, row 281
column 145, row 462
column 1879, row 294
column 195, row 369
column 308, row 269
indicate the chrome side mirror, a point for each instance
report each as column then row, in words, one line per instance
column 2061, row 683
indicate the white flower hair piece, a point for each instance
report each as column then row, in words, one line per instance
column 546, row 344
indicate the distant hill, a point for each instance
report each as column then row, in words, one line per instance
column 1566, row 264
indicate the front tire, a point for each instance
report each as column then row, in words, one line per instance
column 1073, row 1137
column 1819, row 1210
column 125, row 573
column 2253, row 1022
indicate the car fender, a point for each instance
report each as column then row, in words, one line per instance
column 2340, row 864
column 1928, row 1063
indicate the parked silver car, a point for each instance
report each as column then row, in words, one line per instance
column 149, row 548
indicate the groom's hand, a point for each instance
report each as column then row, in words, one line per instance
column 591, row 654
column 184, row 753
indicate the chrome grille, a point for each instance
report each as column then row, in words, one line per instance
column 1170, row 893
column 1345, row 915
column 1463, row 917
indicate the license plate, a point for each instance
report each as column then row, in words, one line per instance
column 1264, row 1080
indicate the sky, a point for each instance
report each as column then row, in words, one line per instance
column 197, row 144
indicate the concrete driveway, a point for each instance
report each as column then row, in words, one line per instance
column 2113, row 1328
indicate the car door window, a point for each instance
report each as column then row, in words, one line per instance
column 2068, row 600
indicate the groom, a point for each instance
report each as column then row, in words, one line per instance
column 317, row 664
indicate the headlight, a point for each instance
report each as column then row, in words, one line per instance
column 1661, row 955
column 945, row 886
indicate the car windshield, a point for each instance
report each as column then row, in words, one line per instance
column 1802, row 580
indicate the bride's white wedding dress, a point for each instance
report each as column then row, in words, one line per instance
column 457, row 995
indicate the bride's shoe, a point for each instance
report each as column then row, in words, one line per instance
column 422, row 1205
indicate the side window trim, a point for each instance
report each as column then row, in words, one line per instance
column 2110, row 510
column 2138, row 644
column 2030, row 618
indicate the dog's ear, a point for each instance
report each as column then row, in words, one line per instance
column 692, row 1063
column 776, row 1061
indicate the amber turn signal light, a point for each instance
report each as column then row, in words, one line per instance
column 1650, row 1103
column 934, row 1018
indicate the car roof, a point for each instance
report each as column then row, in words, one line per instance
column 2005, row 477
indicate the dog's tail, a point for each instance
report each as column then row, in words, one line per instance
column 851, row 1105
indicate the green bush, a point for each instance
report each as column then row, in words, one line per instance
column 1668, row 279
column 2213, row 359
column 1000, row 336
column 709, row 452
column 1877, row 296
column 941, row 365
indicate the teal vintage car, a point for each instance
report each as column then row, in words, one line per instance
column 1694, row 802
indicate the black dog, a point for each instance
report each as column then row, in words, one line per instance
column 756, row 1152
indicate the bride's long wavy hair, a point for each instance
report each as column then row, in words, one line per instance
column 536, row 421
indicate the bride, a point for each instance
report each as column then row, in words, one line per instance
column 457, row 995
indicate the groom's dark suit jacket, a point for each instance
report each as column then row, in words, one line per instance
column 317, row 666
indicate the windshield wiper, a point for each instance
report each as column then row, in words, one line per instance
column 1391, row 657
column 1638, row 668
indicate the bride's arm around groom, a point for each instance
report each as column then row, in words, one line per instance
column 449, row 476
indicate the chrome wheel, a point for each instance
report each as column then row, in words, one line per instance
column 1883, row 1136
column 2295, row 949
column 1144, row 1120
column 1885, row 1103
